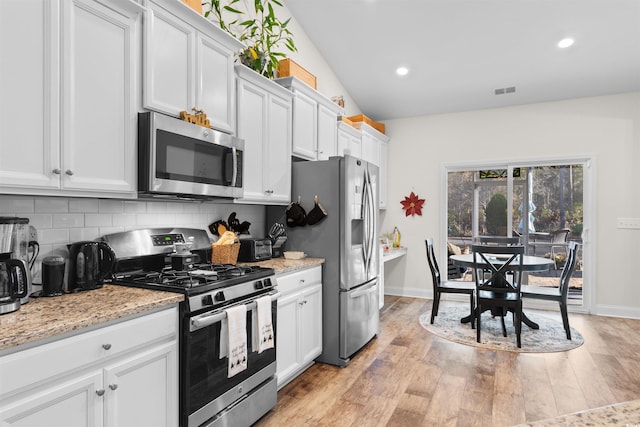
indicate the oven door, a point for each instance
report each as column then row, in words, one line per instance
column 205, row 388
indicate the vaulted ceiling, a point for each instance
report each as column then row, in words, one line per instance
column 459, row 52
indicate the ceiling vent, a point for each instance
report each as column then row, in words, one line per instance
column 504, row 90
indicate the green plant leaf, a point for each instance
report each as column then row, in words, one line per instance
column 230, row 9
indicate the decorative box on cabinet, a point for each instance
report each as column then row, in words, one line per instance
column 299, row 337
column 264, row 122
column 72, row 88
column 188, row 62
column 315, row 121
column 124, row 374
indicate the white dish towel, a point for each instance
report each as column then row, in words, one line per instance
column 237, row 339
column 262, row 325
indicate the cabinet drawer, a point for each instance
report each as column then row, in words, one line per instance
column 291, row 282
column 55, row 359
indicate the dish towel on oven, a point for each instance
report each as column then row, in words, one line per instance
column 262, row 325
column 237, row 339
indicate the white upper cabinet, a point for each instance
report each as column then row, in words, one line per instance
column 100, row 57
column 264, row 123
column 188, row 63
column 68, row 97
column 374, row 150
column 349, row 140
column 315, row 121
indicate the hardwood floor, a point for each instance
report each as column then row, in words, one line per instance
column 408, row 377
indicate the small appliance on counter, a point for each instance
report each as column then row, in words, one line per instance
column 14, row 240
column 90, row 263
column 183, row 258
column 253, row 249
column 10, row 289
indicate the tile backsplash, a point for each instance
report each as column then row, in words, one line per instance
column 61, row 220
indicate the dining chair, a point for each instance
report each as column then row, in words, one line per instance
column 497, row 240
column 560, row 293
column 440, row 287
column 499, row 290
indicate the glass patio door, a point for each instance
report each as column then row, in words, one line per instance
column 542, row 204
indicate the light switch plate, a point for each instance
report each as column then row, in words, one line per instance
column 629, row 223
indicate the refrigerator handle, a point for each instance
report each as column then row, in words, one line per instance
column 365, row 237
column 369, row 220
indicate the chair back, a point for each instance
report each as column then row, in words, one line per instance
column 569, row 268
column 433, row 264
column 498, row 240
column 498, row 268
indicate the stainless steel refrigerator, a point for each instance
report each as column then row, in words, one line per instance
column 347, row 238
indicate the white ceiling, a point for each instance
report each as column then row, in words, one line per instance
column 459, row 51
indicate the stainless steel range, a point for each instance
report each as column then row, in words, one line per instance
column 148, row 259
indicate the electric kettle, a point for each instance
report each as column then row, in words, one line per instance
column 11, row 290
column 89, row 264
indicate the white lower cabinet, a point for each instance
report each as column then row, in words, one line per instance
column 120, row 375
column 299, row 322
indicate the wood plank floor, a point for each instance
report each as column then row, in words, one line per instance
column 408, row 377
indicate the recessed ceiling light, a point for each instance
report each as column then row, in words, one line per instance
column 402, row 71
column 566, row 42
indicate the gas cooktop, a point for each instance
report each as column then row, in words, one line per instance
column 201, row 278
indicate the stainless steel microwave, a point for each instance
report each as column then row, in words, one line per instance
column 181, row 159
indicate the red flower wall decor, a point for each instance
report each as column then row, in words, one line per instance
column 412, row 205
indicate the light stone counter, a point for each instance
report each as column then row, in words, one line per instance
column 283, row 265
column 45, row 317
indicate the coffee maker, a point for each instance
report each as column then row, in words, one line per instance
column 14, row 241
column 11, row 291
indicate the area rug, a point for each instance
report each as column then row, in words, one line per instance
column 549, row 338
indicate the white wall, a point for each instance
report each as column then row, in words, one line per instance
column 607, row 127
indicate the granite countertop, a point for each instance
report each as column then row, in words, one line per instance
column 283, row 265
column 43, row 318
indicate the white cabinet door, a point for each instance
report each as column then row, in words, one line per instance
column 349, row 141
column 278, row 166
column 287, row 357
column 100, row 58
column 310, row 321
column 264, row 122
column 215, row 81
column 370, row 149
column 73, row 403
column 327, row 133
column 142, row 391
column 252, row 128
column 382, row 172
column 305, row 123
column 29, row 93
column 169, row 61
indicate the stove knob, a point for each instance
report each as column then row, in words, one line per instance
column 258, row 284
column 218, row 297
column 267, row 283
column 207, row 300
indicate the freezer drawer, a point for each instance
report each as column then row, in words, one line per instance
column 359, row 317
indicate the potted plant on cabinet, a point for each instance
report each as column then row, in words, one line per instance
column 263, row 33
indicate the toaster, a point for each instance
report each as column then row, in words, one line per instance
column 254, row 249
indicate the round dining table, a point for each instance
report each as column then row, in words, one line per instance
column 529, row 264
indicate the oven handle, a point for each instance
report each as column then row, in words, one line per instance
column 201, row 322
